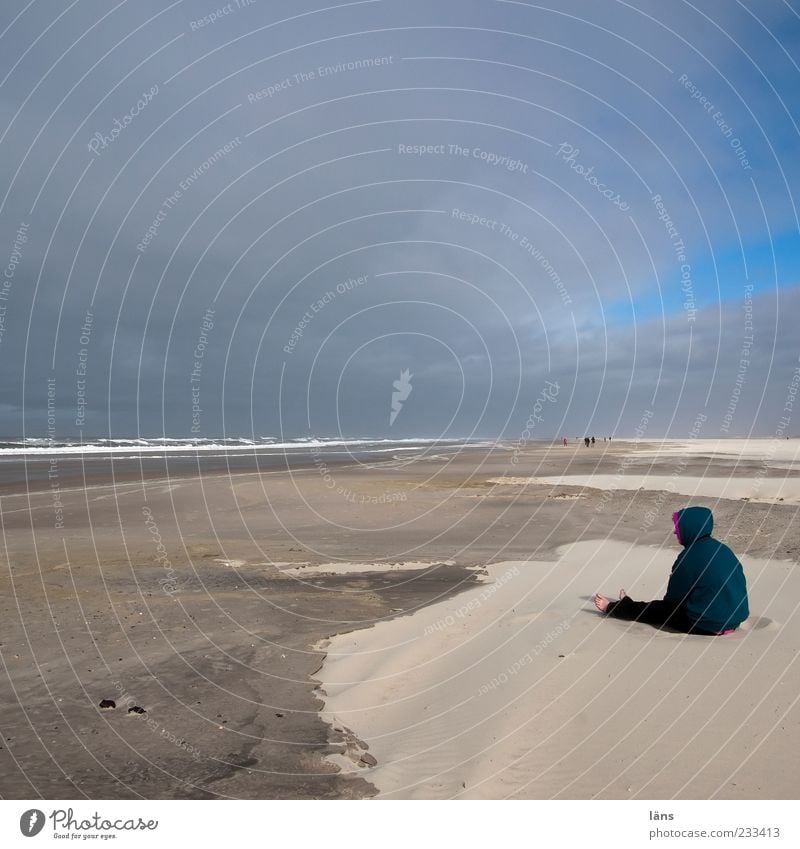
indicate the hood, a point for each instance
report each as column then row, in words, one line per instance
column 694, row 523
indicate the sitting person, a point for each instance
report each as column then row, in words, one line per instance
column 707, row 591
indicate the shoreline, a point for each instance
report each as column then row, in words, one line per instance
column 98, row 468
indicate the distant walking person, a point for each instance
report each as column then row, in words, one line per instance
column 592, row 440
column 586, row 441
column 707, row 590
column 565, row 440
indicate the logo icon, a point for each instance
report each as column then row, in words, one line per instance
column 403, row 389
column 31, row 822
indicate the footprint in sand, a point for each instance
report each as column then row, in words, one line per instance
column 355, row 749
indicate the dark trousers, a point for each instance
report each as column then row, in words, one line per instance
column 657, row 613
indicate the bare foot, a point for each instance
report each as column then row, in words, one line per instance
column 601, row 602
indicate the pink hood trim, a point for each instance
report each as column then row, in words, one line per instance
column 676, row 518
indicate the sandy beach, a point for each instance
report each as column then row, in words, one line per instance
column 414, row 627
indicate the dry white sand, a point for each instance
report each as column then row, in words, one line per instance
column 517, row 687
column 776, row 453
column 740, row 482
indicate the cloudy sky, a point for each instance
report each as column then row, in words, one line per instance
column 250, row 219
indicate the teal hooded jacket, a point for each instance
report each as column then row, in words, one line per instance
column 707, row 578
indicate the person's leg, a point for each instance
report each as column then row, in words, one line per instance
column 654, row 613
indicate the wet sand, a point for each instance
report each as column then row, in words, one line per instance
column 219, row 635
